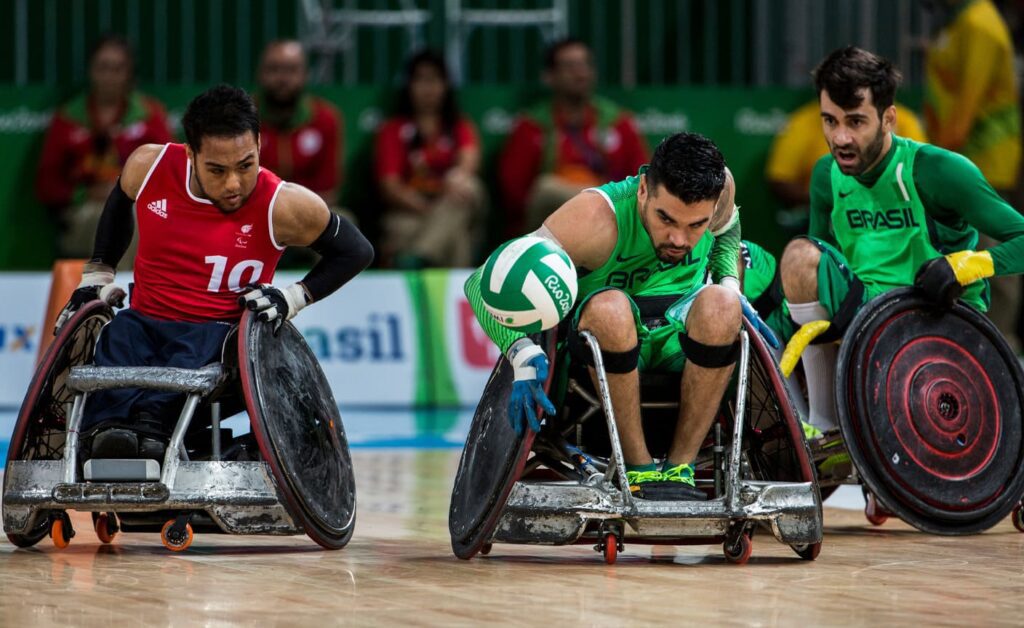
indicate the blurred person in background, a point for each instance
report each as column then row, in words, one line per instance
column 795, row 150
column 89, row 140
column 427, row 164
column 300, row 134
column 972, row 106
column 561, row 146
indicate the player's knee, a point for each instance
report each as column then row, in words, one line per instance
column 609, row 315
column 715, row 316
column 799, row 270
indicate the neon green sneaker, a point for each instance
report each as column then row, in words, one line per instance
column 682, row 473
column 636, row 478
column 811, row 432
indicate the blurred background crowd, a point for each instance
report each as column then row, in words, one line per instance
column 443, row 127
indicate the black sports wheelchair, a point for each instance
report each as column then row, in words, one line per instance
column 929, row 402
column 566, row 484
column 291, row 474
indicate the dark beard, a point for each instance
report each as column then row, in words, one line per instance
column 873, row 150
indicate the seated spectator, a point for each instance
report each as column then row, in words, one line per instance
column 300, row 134
column 88, row 141
column 427, row 160
column 560, row 146
column 796, row 149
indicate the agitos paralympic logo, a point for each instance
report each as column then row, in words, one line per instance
column 17, row 338
column 896, row 218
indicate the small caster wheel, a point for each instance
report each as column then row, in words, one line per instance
column 610, row 548
column 1018, row 517
column 739, row 551
column 874, row 512
column 61, row 530
column 177, row 535
column 105, row 524
column 485, row 549
column 807, row 551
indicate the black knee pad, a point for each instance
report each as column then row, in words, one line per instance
column 709, row 356
column 614, row 361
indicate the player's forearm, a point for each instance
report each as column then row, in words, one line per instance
column 344, row 253
column 724, row 253
column 115, row 228
column 499, row 334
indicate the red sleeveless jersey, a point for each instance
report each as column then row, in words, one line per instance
column 194, row 260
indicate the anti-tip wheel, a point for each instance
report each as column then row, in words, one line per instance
column 105, row 525
column 738, row 553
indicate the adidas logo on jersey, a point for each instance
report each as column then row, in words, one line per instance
column 158, row 207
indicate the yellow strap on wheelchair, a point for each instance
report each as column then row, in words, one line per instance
column 971, row 266
column 796, row 345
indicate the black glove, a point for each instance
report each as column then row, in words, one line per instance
column 95, row 285
column 938, row 282
column 274, row 304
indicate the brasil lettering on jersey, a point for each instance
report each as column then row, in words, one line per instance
column 625, row 280
column 882, row 219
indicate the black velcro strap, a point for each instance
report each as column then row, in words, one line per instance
column 771, row 298
column 614, row 361
column 709, row 356
column 844, row 315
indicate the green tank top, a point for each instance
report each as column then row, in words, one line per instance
column 884, row 231
column 634, row 266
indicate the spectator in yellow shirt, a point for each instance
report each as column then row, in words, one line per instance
column 972, row 106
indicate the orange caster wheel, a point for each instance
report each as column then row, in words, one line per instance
column 105, row 524
column 1018, row 517
column 61, row 531
column 738, row 552
column 177, row 535
column 610, row 546
column 873, row 512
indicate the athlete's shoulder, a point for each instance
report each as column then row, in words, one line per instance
column 138, row 166
column 616, row 192
column 299, row 214
column 823, row 167
column 586, row 227
column 942, row 164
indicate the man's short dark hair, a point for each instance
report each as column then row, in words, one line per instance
column 848, row 70
column 690, row 167
column 221, row 111
column 553, row 50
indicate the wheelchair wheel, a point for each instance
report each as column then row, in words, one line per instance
column 299, row 430
column 775, row 443
column 40, row 427
column 492, row 460
column 930, row 405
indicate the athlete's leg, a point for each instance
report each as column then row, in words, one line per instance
column 713, row 321
column 800, row 263
column 609, row 316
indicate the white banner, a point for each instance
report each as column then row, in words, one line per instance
column 21, row 319
column 472, row 355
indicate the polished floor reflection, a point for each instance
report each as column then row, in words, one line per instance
column 399, row 569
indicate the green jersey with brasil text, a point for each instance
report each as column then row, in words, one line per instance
column 918, row 203
column 633, row 265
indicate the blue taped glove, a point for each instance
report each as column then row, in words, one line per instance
column 530, row 368
column 762, row 327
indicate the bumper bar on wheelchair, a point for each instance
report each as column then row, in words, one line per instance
column 92, row 378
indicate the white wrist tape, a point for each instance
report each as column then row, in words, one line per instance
column 519, row 354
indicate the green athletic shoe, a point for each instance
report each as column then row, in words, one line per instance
column 811, row 432
column 680, row 473
column 636, row 478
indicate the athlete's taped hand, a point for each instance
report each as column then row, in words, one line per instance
column 274, row 305
column 530, row 369
column 942, row 279
column 94, row 285
column 751, row 314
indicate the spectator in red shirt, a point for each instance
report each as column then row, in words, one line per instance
column 300, row 134
column 574, row 141
column 427, row 159
column 89, row 139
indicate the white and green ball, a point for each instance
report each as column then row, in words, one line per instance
column 529, row 284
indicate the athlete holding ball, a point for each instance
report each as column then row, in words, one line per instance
column 643, row 248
